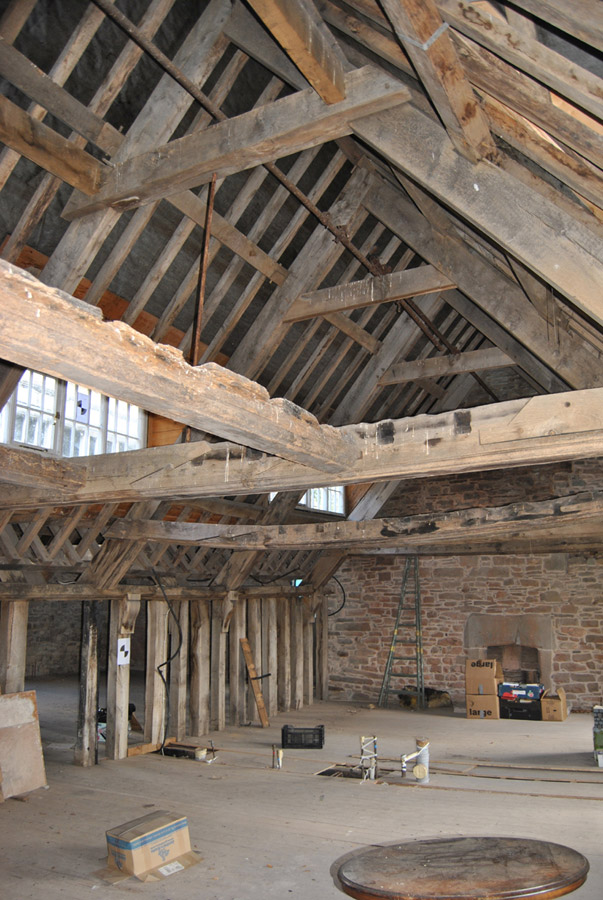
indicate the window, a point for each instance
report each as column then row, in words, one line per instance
column 326, row 499
column 68, row 419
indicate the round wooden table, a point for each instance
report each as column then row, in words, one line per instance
column 462, row 868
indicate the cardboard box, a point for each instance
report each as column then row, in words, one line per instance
column 482, row 706
column 152, row 847
column 482, row 676
column 516, row 691
column 554, row 709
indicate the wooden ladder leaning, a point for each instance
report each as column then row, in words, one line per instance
column 253, row 680
column 405, row 659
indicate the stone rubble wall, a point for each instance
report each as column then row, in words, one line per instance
column 568, row 588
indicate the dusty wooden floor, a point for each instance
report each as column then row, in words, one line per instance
column 266, row 833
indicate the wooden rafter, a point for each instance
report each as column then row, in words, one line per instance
column 485, row 284
column 299, row 29
column 419, row 27
column 529, row 227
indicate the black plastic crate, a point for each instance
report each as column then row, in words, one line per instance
column 520, row 709
column 302, row 738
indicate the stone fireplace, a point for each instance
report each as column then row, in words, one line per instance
column 523, row 644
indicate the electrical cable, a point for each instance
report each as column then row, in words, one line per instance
column 276, row 577
column 169, row 659
column 344, row 597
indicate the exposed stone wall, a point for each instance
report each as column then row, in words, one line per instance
column 569, row 589
column 54, row 636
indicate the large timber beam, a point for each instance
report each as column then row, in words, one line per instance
column 532, row 431
column 48, row 149
column 582, row 18
column 530, row 227
column 44, row 328
column 33, row 468
column 262, row 135
column 486, row 285
column 11, row 591
column 369, row 292
column 441, row 366
column 419, row 28
column 545, row 65
column 580, row 513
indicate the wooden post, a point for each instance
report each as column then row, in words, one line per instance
column 254, row 635
column 157, row 653
column 322, row 656
column 199, row 677
column 123, row 618
column 178, row 669
column 283, row 617
column 308, row 639
column 236, row 670
column 13, row 645
column 86, row 742
column 218, row 666
column 297, row 653
column 269, row 655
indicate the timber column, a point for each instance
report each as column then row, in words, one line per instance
column 13, row 645
column 123, row 619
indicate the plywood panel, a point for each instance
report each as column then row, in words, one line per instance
column 21, row 759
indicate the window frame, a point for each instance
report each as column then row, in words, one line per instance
column 72, row 420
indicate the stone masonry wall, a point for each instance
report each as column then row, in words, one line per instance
column 54, row 635
column 568, row 588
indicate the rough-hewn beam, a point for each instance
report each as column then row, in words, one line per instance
column 566, row 254
column 545, row 65
column 59, row 593
column 369, row 292
column 582, row 18
column 262, row 135
column 440, row 366
column 37, row 322
column 245, row 32
column 300, row 31
column 48, row 149
column 583, row 512
column 40, row 88
column 33, row 468
column 531, row 431
column 419, row 28
column 486, row 285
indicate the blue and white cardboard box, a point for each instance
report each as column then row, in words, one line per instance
column 152, row 847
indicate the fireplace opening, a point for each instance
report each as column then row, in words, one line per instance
column 519, row 663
